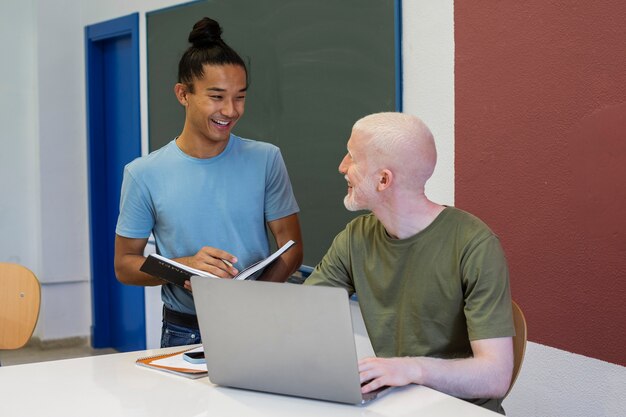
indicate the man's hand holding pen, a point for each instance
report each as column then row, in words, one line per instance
column 212, row 260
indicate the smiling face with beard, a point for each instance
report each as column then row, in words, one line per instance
column 354, row 167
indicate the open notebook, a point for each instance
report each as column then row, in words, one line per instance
column 177, row 273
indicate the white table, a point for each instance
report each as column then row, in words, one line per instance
column 113, row 386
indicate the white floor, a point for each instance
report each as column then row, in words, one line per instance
column 34, row 353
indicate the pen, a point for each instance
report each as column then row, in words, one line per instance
column 227, row 263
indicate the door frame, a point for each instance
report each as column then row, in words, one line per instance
column 101, row 286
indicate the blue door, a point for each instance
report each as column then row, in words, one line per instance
column 114, row 139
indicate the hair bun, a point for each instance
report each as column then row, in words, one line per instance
column 205, row 32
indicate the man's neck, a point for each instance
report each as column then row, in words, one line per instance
column 406, row 217
column 199, row 147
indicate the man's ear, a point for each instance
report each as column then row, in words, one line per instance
column 385, row 179
column 181, row 92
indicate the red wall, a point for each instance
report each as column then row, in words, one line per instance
column 540, row 127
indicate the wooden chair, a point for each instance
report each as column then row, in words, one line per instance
column 519, row 343
column 20, row 298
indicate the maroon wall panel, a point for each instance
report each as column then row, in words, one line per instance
column 540, row 92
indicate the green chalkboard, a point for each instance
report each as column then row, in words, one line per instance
column 315, row 67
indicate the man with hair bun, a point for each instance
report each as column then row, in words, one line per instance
column 207, row 195
column 432, row 281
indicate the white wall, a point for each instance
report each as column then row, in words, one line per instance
column 428, row 77
column 558, row 383
column 19, row 144
column 64, row 273
column 43, row 172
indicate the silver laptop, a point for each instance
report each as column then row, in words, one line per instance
column 281, row 338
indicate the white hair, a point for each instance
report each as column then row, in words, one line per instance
column 402, row 143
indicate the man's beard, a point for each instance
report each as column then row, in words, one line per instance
column 352, row 202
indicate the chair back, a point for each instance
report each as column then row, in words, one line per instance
column 519, row 342
column 20, row 298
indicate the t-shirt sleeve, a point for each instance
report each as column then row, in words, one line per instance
column 279, row 198
column 487, row 294
column 334, row 269
column 136, row 218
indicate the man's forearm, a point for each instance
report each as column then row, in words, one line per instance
column 285, row 266
column 285, row 229
column 463, row 378
column 127, row 272
column 485, row 375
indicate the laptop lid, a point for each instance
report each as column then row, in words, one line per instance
column 280, row 338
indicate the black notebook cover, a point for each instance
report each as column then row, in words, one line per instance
column 164, row 270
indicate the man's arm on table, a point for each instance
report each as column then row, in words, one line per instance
column 284, row 230
column 487, row 374
column 129, row 258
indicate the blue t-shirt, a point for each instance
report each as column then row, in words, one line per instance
column 188, row 203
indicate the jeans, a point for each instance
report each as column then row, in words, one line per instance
column 175, row 335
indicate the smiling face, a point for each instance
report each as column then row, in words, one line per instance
column 361, row 182
column 213, row 106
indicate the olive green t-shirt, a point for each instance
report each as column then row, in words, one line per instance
column 427, row 295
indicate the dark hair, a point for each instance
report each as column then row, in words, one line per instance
column 207, row 47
